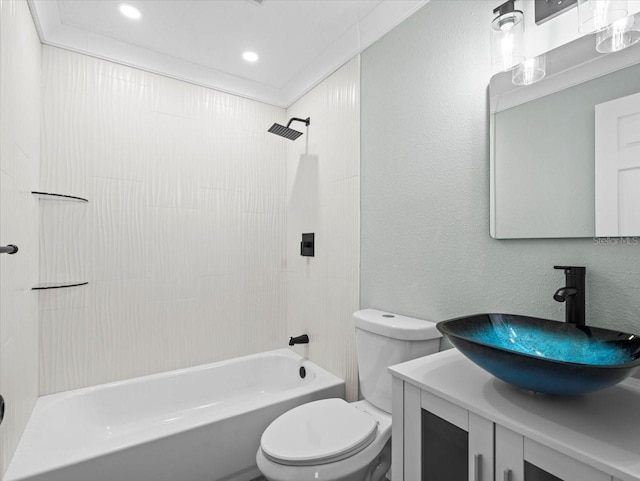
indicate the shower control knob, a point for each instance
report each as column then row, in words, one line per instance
column 307, row 245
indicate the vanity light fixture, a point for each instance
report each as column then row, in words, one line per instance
column 507, row 31
column 130, row 11
column 597, row 15
column 530, row 71
column 619, row 35
column 250, row 56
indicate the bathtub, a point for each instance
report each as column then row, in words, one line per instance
column 198, row 424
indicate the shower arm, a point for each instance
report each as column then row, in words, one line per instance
column 306, row 121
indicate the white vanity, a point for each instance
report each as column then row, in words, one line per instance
column 453, row 421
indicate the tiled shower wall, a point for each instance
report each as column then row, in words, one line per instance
column 20, row 53
column 323, row 196
column 183, row 238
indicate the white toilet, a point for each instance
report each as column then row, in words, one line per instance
column 332, row 440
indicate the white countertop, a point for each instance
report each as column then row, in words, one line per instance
column 600, row 429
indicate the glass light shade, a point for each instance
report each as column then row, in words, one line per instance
column 530, row 71
column 597, row 15
column 618, row 36
column 507, row 33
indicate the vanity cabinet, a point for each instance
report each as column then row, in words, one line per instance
column 439, row 440
column 455, row 444
column 453, row 421
column 522, row 459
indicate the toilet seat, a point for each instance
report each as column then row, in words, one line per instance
column 319, row 432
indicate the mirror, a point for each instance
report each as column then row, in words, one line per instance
column 544, row 141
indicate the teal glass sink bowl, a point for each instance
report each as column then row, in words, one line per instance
column 545, row 356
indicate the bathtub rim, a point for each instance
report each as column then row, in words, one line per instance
column 283, row 352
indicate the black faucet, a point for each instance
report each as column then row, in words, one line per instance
column 573, row 294
column 304, row 339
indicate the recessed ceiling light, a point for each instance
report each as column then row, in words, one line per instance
column 250, row 56
column 130, row 12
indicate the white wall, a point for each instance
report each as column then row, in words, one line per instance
column 323, row 190
column 20, row 53
column 183, row 238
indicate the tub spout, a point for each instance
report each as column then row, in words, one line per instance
column 304, row 339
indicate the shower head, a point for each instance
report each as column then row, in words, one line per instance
column 286, row 132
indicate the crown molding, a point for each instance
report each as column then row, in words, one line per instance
column 387, row 15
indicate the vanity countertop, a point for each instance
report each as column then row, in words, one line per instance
column 600, row 429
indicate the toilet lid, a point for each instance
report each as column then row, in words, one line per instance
column 317, row 433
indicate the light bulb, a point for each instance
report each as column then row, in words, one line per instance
column 130, row 11
column 250, row 56
column 507, row 41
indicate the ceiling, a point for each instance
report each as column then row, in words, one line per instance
column 299, row 42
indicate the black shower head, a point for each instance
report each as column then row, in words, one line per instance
column 287, row 132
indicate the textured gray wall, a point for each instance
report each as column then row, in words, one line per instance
column 426, row 248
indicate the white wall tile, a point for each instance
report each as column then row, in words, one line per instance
column 190, row 240
column 323, row 197
column 20, row 57
column 182, row 241
column 343, row 129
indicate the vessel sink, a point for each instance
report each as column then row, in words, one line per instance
column 545, row 356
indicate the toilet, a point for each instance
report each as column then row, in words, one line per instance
column 332, row 440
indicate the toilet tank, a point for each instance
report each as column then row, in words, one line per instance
column 384, row 339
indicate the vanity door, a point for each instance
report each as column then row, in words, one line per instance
column 456, row 445
column 522, row 459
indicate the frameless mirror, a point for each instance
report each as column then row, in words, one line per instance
column 549, row 139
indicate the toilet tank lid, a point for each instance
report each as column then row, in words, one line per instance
column 395, row 326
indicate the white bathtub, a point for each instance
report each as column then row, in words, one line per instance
column 197, row 424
